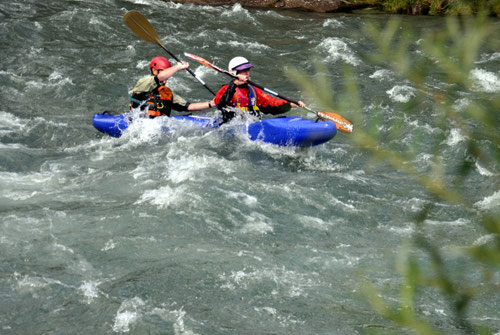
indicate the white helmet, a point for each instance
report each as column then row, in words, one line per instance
column 239, row 64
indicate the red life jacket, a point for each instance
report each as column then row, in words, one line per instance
column 246, row 101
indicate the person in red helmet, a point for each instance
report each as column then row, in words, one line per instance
column 152, row 94
column 252, row 100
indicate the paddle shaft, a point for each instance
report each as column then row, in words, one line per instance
column 342, row 124
column 216, row 68
column 145, row 30
column 188, row 69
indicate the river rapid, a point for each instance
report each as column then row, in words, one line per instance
column 196, row 232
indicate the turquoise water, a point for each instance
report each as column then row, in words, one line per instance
column 194, row 232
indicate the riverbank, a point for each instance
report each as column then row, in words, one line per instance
column 322, row 6
column 414, row 7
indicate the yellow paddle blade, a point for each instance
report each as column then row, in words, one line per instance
column 141, row 27
column 342, row 124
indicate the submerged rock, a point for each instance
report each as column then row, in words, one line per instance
column 321, row 6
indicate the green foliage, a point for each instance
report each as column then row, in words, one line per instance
column 451, row 54
column 454, row 53
column 442, row 7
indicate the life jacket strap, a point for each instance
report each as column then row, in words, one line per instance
column 252, row 101
column 137, row 101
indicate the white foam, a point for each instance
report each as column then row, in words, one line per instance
column 336, row 49
column 201, row 71
column 485, row 81
column 244, row 16
column 128, row 313
column 405, row 231
column 133, row 310
column 334, row 200
column 488, row 203
column 440, row 312
column 56, row 79
column 401, row 93
column 188, row 167
column 89, row 290
column 488, row 57
column 382, row 74
column 457, row 222
column 30, row 283
column 270, row 310
column 485, row 239
column 241, row 12
column 178, row 176
column 314, row 222
column 242, row 44
column 345, row 261
column 483, row 171
column 179, row 326
column 109, row 245
column 257, row 223
column 151, row 131
column 143, row 130
column 10, row 123
column 19, row 186
column 424, row 158
column 18, row 195
column 63, row 247
column 291, row 283
column 246, row 253
column 332, row 23
column 454, row 137
column 248, row 200
column 33, row 284
column 142, row 64
column 165, row 196
column 140, row 2
column 461, row 104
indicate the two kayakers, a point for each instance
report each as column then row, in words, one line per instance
column 152, row 94
column 240, row 94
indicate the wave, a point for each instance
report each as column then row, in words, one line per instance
column 10, row 124
column 485, row 81
column 336, row 49
column 489, row 57
column 401, row 93
column 455, row 136
column 490, row 202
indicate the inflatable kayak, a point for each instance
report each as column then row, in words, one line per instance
column 284, row 131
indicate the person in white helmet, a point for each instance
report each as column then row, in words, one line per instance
column 240, row 94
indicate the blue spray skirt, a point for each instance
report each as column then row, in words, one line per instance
column 284, row 131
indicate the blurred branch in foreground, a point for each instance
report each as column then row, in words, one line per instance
column 460, row 104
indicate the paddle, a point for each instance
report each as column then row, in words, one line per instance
column 145, row 30
column 342, row 124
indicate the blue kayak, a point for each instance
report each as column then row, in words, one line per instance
column 284, row 131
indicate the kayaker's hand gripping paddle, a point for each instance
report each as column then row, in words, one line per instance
column 145, row 30
column 342, row 123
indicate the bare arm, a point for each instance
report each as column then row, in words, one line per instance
column 301, row 104
column 163, row 75
column 198, row 106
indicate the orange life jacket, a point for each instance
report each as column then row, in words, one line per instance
column 158, row 103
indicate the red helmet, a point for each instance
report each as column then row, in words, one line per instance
column 159, row 63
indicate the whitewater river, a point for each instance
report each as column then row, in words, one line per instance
column 199, row 232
